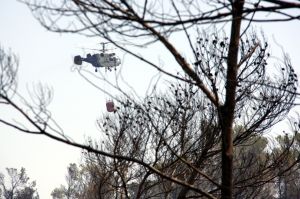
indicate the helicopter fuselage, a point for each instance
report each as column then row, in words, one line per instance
column 98, row 60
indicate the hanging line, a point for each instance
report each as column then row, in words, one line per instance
column 110, row 106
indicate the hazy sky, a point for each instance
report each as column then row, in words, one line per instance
column 47, row 58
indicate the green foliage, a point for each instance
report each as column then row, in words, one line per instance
column 18, row 185
column 73, row 189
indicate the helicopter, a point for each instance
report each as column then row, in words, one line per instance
column 99, row 60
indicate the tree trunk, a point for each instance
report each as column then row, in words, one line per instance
column 227, row 110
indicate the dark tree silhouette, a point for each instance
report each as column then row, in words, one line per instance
column 17, row 185
column 158, row 21
column 178, row 133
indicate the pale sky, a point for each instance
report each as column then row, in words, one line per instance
column 47, row 58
